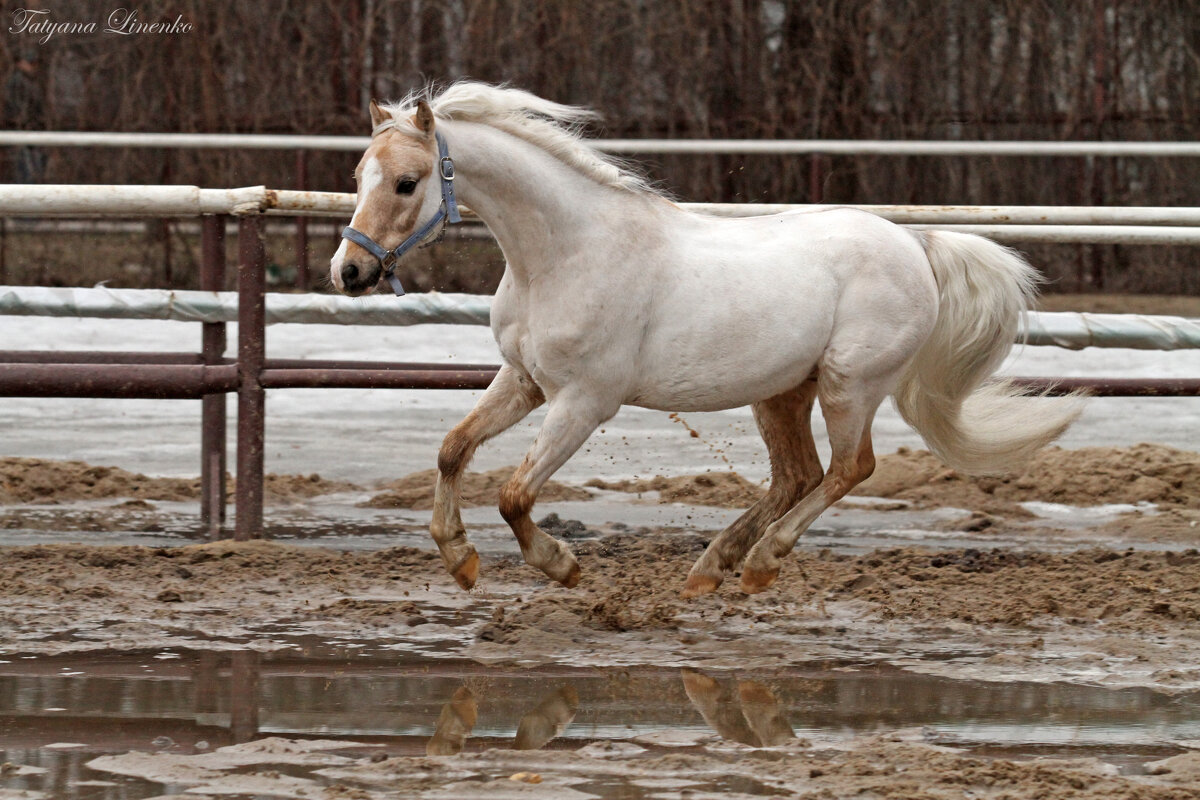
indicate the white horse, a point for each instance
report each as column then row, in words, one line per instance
column 614, row 295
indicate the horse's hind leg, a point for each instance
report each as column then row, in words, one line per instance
column 784, row 422
column 569, row 422
column 509, row 398
column 848, row 406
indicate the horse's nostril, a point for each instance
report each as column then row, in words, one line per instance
column 349, row 273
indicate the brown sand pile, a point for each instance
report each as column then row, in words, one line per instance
column 724, row 489
column 300, row 487
column 1089, row 476
column 478, row 489
column 35, row 480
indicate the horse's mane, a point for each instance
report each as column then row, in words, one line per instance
column 554, row 127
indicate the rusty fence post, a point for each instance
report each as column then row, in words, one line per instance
column 251, row 396
column 816, row 178
column 212, row 406
column 302, row 277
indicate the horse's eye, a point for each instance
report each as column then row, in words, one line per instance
column 406, row 186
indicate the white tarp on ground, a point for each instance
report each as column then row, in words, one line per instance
column 1061, row 329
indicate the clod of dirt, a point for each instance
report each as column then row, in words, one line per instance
column 415, row 491
column 565, row 528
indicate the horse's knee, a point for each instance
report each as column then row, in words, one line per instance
column 515, row 501
column 452, row 456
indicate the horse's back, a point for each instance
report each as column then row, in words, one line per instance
column 746, row 307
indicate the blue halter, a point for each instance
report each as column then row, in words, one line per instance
column 447, row 212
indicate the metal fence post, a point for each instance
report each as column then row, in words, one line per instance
column 251, row 396
column 212, row 406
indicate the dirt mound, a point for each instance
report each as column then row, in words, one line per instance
column 35, row 480
column 415, row 491
column 723, row 489
column 1089, row 476
column 301, row 487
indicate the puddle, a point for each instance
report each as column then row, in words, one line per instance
column 57, row 713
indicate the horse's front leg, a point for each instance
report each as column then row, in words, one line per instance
column 570, row 419
column 509, row 398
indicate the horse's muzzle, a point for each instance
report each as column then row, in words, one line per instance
column 358, row 279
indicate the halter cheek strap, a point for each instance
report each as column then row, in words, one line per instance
column 447, row 212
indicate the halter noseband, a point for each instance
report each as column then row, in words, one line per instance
column 447, row 212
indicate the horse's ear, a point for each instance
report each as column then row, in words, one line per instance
column 423, row 119
column 377, row 114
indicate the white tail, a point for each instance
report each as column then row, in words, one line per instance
column 972, row 421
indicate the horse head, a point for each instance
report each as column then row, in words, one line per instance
column 405, row 193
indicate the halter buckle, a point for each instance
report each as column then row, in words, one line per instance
column 447, row 168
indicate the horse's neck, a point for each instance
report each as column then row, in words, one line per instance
column 539, row 208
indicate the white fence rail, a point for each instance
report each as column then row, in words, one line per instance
column 1010, row 224
column 882, row 147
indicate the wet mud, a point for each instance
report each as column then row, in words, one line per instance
column 914, row 670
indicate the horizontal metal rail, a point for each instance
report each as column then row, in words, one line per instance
column 397, row 377
column 136, row 357
column 163, row 381
column 89, row 376
column 873, row 147
column 1060, row 329
column 128, row 201
column 975, row 215
column 1012, row 224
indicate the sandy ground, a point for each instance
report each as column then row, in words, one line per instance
column 1125, row 612
column 897, row 766
column 1096, row 610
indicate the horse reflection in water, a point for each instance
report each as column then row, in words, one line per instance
column 542, row 725
column 752, row 715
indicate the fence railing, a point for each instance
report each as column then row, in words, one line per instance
column 209, row 375
column 815, row 150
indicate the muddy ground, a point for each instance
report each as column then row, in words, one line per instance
column 1119, row 607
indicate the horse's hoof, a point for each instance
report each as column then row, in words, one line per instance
column 698, row 585
column 755, row 581
column 467, row 571
column 573, row 576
